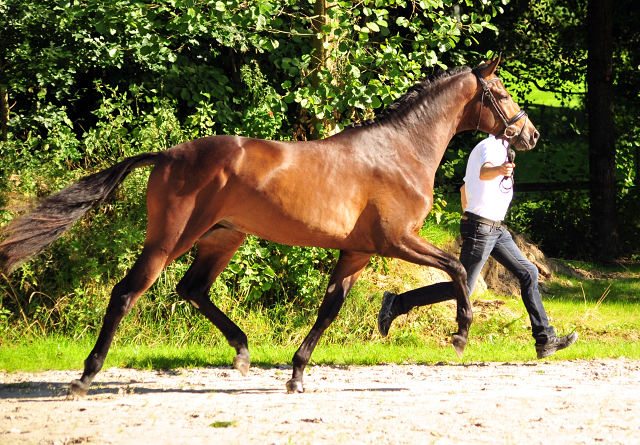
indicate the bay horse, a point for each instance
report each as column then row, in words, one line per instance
column 364, row 191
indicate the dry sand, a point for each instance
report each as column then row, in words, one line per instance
column 569, row 402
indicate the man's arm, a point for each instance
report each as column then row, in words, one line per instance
column 463, row 197
column 488, row 171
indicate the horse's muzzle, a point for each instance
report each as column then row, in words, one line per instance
column 526, row 140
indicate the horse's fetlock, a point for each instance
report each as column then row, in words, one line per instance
column 239, row 342
column 465, row 316
column 181, row 290
column 93, row 364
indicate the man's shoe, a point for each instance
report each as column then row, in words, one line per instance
column 386, row 314
column 555, row 344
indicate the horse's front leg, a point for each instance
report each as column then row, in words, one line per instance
column 416, row 250
column 349, row 267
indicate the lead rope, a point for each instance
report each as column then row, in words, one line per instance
column 511, row 156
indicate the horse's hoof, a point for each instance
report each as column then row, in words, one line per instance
column 459, row 343
column 78, row 388
column 241, row 364
column 294, row 386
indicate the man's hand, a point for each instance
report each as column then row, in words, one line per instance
column 488, row 171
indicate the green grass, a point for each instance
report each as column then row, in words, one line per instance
column 604, row 309
column 547, row 98
column 608, row 327
column 52, row 353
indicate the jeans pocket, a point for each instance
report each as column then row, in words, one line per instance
column 468, row 228
column 484, row 229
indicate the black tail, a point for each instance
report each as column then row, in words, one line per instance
column 29, row 234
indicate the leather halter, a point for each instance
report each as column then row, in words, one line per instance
column 506, row 121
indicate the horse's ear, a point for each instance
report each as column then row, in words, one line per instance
column 490, row 66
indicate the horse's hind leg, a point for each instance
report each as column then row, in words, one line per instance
column 349, row 267
column 214, row 252
column 123, row 296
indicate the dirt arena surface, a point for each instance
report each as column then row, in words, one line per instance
column 569, row 402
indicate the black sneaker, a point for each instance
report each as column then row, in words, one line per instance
column 555, row 344
column 386, row 314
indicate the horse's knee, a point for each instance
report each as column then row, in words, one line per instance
column 120, row 302
column 454, row 267
column 458, row 274
column 459, row 270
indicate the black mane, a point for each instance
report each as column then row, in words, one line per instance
column 411, row 98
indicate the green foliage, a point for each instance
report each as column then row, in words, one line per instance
column 558, row 221
column 92, row 82
column 211, row 59
column 379, row 49
column 545, row 45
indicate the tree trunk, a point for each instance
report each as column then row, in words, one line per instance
column 4, row 113
column 602, row 152
column 320, row 58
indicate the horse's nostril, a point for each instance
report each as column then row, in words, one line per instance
column 536, row 135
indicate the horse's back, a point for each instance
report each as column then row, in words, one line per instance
column 319, row 193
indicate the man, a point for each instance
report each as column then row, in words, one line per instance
column 485, row 200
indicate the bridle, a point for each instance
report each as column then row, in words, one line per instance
column 509, row 130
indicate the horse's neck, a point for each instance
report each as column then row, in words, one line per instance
column 421, row 132
column 447, row 107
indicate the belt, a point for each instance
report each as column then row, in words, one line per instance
column 473, row 216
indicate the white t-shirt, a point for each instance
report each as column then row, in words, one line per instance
column 487, row 198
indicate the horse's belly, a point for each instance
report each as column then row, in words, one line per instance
column 328, row 226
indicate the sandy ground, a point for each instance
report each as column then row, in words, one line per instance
column 574, row 402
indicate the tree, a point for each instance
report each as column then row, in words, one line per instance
column 192, row 52
column 602, row 150
column 323, row 39
column 4, row 113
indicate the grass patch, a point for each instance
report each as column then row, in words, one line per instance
column 609, row 327
column 223, row 424
column 603, row 309
column 25, row 356
column 547, row 98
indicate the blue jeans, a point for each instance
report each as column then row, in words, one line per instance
column 479, row 240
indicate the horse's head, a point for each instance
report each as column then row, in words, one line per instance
column 498, row 114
